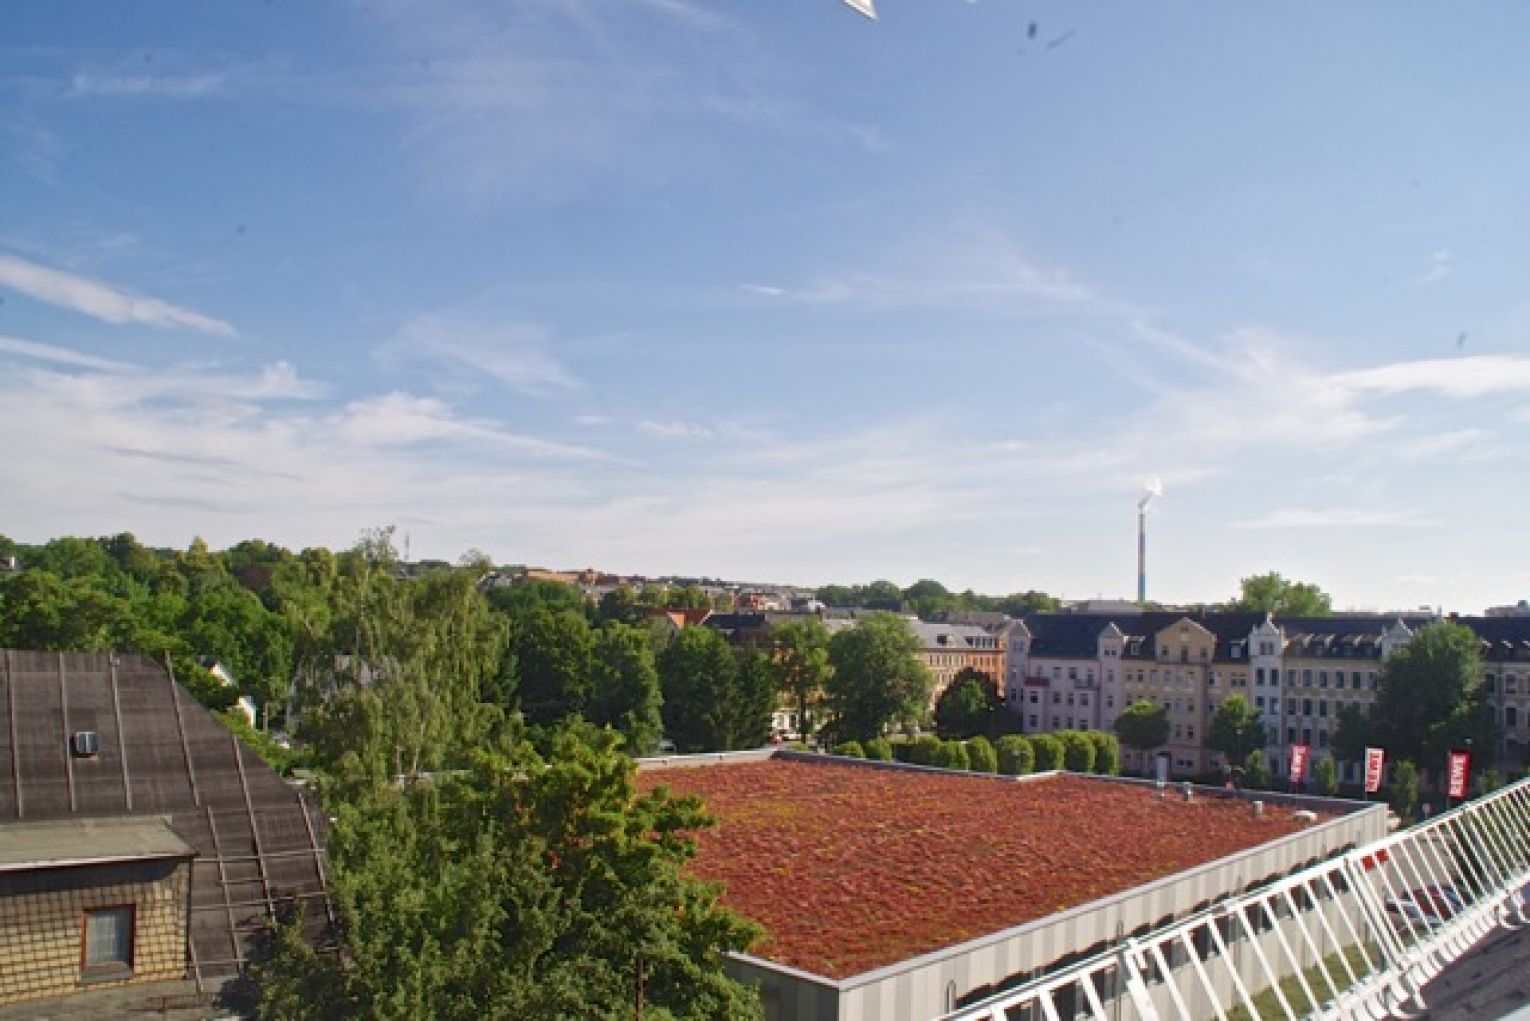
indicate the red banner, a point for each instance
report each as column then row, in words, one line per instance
column 1298, row 763
column 1375, row 767
column 1460, row 773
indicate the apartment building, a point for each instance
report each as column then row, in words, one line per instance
column 948, row 649
column 1079, row 670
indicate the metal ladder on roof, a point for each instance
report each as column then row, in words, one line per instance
column 1355, row 937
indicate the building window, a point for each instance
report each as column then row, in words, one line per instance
column 1323, row 707
column 1274, row 675
column 1306, row 707
column 1354, row 680
column 1056, row 724
column 109, row 938
column 1307, row 678
column 1083, row 699
column 1057, row 698
column 1190, row 733
column 1258, row 676
column 1034, row 698
column 1259, row 701
column 1322, row 678
column 1033, row 723
column 1275, row 706
column 1510, row 716
column 1110, row 701
column 1322, row 739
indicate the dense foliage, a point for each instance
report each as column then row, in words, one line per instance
column 1143, row 725
column 1431, row 698
column 1236, row 730
column 930, row 599
column 877, row 678
column 1272, row 593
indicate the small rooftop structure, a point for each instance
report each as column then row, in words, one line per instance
column 68, row 843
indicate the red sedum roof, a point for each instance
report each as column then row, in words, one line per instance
column 850, row 868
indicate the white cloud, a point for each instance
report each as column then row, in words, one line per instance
column 965, row 266
column 101, row 300
column 1441, row 265
column 470, row 350
column 95, row 84
column 1338, row 517
column 1475, row 376
column 401, row 419
column 58, row 355
column 677, row 430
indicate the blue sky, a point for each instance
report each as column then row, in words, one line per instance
column 771, row 291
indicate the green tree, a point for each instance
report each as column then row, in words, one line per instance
column 699, row 676
column 523, row 887
column 879, row 749
column 929, row 598
column 625, row 694
column 1019, row 604
column 1271, row 593
column 1430, row 697
column 1143, row 725
column 754, row 702
column 553, row 653
column 1404, row 789
column 802, row 654
column 1049, row 752
column 877, row 679
column 1016, row 757
column 1325, row 774
column 1235, row 730
column 620, row 606
column 967, row 707
column 1256, row 774
column 1352, row 736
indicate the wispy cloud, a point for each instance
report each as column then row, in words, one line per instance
column 101, row 300
column 1475, row 376
column 58, row 355
column 677, row 430
column 1338, row 517
column 402, row 419
column 964, row 266
column 94, row 84
column 1441, row 265
column 468, row 350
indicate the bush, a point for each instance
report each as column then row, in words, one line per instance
column 922, row 750
column 1049, row 752
column 879, row 748
column 951, row 755
column 1078, row 751
column 849, row 749
column 1016, row 756
column 1405, row 790
column 981, row 757
column 1256, row 775
column 1107, row 752
column 1325, row 773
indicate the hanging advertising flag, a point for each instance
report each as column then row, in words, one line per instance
column 1298, row 763
column 1460, row 772
column 1375, row 763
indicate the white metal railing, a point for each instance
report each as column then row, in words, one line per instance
column 1357, row 936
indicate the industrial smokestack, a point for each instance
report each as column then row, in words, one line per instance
column 1151, row 489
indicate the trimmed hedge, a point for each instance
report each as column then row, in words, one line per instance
column 1078, row 751
column 1107, row 752
column 951, row 755
column 878, row 748
column 850, row 749
column 1016, row 756
column 981, row 757
column 922, row 750
column 1049, row 752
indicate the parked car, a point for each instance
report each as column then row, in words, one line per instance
column 1406, row 915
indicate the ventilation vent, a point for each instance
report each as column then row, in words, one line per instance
column 85, row 743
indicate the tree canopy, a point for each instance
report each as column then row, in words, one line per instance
column 524, row 886
column 1430, row 697
column 968, row 706
column 802, row 656
column 1235, row 730
column 877, row 679
column 1272, row 593
column 1143, row 725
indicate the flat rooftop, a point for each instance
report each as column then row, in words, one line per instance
column 63, row 843
column 850, row 868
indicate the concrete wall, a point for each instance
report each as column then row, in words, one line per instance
column 42, row 926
